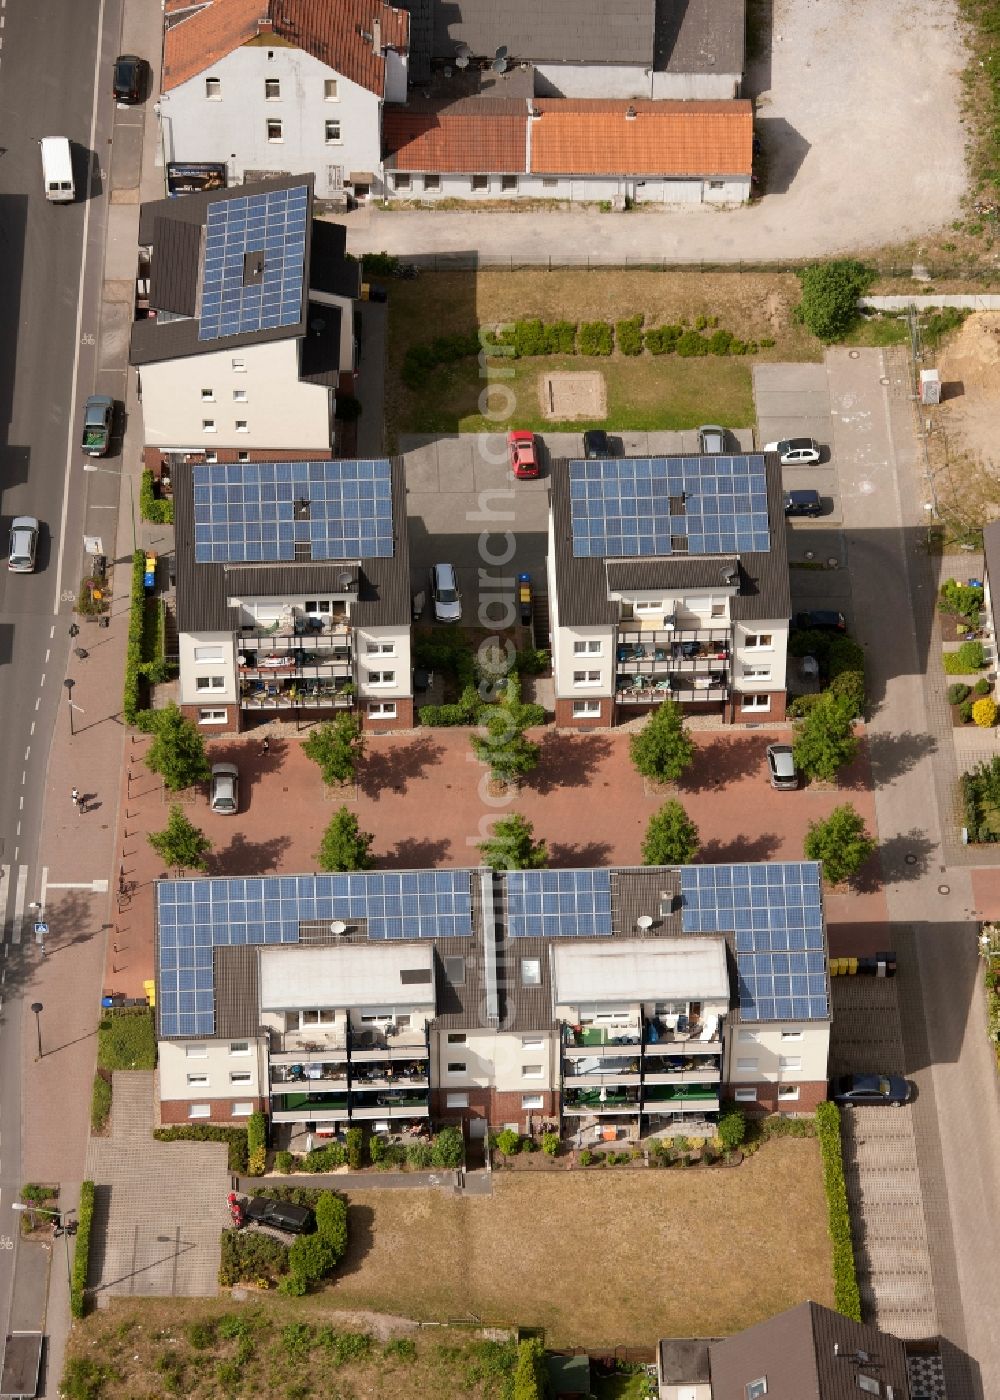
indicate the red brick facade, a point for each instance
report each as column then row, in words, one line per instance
column 566, row 719
column 774, row 714
column 497, row 1108
column 179, row 1111
column 811, row 1093
column 238, row 719
column 153, row 458
column 231, row 726
column 376, row 725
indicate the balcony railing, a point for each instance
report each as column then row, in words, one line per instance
column 668, row 688
column 600, row 1100
column 299, row 1078
column 610, row 1040
column 672, row 653
column 371, row 1112
column 314, row 1044
column 634, row 633
column 706, row 1074
column 295, row 695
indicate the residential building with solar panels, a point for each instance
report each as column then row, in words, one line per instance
column 244, row 330
column 293, row 592
column 668, row 579
column 618, row 1003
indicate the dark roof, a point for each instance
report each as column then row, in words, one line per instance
column 331, row 268
column 582, row 584
column 700, row 36
column 320, row 360
column 684, row 1360
column 693, row 571
column 561, row 31
column 202, row 589
column 237, row 995
column 568, row 1375
column 808, row 1351
column 179, row 222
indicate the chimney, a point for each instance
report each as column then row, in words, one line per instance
column 377, row 35
column 265, row 26
column 631, row 113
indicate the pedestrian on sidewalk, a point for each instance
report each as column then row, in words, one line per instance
column 265, row 747
column 75, row 798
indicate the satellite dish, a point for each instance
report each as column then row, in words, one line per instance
column 502, row 51
column 644, row 922
column 345, row 579
column 462, row 61
column 338, row 927
column 499, row 65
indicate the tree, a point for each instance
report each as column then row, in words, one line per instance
column 662, row 749
column 180, row 843
column 841, row 842
column 506, row 750
column 338, row 747
column 731, row 1128
column 177, row 752
column 830, row 293
column 448, row 1148
column 345, row 846
column 671, row 837
column 824, row 741
column 512, row 846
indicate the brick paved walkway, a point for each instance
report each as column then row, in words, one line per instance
column 160, row 1206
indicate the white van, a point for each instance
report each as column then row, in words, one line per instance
column 57, row 169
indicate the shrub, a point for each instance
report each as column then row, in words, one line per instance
column 508, row 1142
column 419, row 1155
column 961, row 600
column 235, row 1139
column 379, row 264
column 32, row 1194
column 311, row 1258
column 133, row 646
column 850, row 687
column 284, row 1163
column 81, row 1252
column 324, row 1159
column 401, row 1349
column 965, row 711
column 84, row 1379
column 251, row 1257
column 550, row 1144
column 847, row 1298
column 662, row 340
column 982, row 687
column 100, row 1103
column 529, row 1373
column 160, row 512
column 802, row 704
column 533, row 661
column 354, row 1143
column 596, row 338
column 628, row 334
column 585, row 1157
column 720, row 343
column 448, row 1148
column 690, row 345
column 984, row 712
column 201, row 1335
column 830, row 293
column 731, row 1128
column 960, row 691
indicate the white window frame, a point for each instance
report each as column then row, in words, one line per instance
column 549, row 182
column 760, row 703
column 788, row 1093
column 239, row 366
column 240, row 1076
column 211, row 458
column 746, row 1065
column 532, row 1100
column 331, row 90
column 756, row 673
column 242, row 1110
column 790, row 1062
column 456, row 1037
column 755, row 641
column 242, row 425
column 274, row 131
column 380, row 648
column 213, row 89
column 381, row 678
column 198, row 1080
column 508, row 182
column 531, row 972
column 272, row 89
column 457, row 1067
column 588, row 646
column 435, row 181
column 643, row 608
column 479, row 183
column 239, row 1047
column 532, row 1042
column 333, row 124
column 791, row 1035
column 869, row 1384
column 209, row 682
column 240, row 396
column 217, row 654
column 750, row 1036
column 199, row 1110
column 755, row 1389
column 747, row 1094
column 243, row 456
column 208, row 425
column 532, row 1071
column 381, row 709
column 196, row 1052
column 586, row 709
column 456, row 1101
column 585, row 678
column 212, row 716
column 208, row 396
column 718, row 610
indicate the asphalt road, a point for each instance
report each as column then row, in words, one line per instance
column 54, row 57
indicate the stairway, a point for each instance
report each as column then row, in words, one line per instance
column 540, row 621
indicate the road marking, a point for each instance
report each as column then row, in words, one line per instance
column 19, row 899
column 52, row 631
column 73, row 416
column 48, row 653
column 33, row 722
column 37, row 704
column 27, row 753
column 18, row 831
column 43, row 678
column 95, row 886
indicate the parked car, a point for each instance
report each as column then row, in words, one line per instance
column 597, row 444
column 711, row 440
column 859, row 1089
column 225, row 794
column 98, row 415
column 803, row 503
column 23, row 545
column 445, row 595
column 795, row 452
column 280, row 1215
column 781, row 767
column 127, row 83
column 821, row 620
column 522, row 450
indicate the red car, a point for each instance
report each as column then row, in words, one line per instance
column 523, row 458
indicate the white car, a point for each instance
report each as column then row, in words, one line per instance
column 225, row 798
column 23, row 545
column 445, row 596
column 795, row 452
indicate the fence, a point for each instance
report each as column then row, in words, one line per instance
column 473, row 261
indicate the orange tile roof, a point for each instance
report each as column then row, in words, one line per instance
column 577, row 137
column 199, row 34
column 478, row 135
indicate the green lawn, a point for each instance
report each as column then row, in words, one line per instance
column 126, row 1040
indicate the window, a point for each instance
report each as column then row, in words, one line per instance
column 761, row 641
column 586, row 677
column 756, row 673
column 755, row 702
column 456, row 1037
column 590, row 647
column 211, row 458
column 274, row 129
column 381, row 648
column 239, row 1076
column 755, row 1389
column 716, row 184
column 213, row 89
column 647, row 607
column 868, row 1384
column 242, row 1110
column 789, row 1062
column 239, row 1047
column 746, row 1066
column 531, row 972
column 330, row 90
column 243, row 456
column 325, row 1017
column 549, row 183
column 791, row 1035
column 748, row 1035
column 200, row 1110
column 457, row 1067
column 239, row 366
column 454, row 968
column 201, row 1079
column 242, row 426
column 210, row 683
column 583, row 708
column 746, row 1095
column 718, row 609
column 239, row 396
column 381, row 709
column 272, row 90
column 531, row 1042
column 211, row 716
column 432, row 182
column 208, row 425
column 196, row 1052
column 480, row 182
column 331, row 134
column 788, row 1092
column 508, row 182
column 208, row 653
column 456, row 1101
column 381, row 677
column 208, row 396
column 532, row 1101
column 531, row 1071
column 319, row 605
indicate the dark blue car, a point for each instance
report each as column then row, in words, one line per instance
column 859, row 1089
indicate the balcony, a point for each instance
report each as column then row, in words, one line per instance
column 681, row 1098
column 588, row 1102
column 314, row 1107
column 400, row 1043
column 302, row 693
column 312, row 1043
column 610, row 1040
column 399, row 1074
column 680, row 1071
column 295, row 1078
column 699, row 1035
column 367, row 1107
column 640, row 689
column 672, row 653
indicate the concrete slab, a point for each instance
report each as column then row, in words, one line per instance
column 121, row 248
column 126, row 152
column 116, row 328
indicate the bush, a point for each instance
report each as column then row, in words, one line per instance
column 850, row 687
column 529, row 1373
column 331, row 1222
column 720, row 343
column 830, row 293
column 961, row 600
column 968, row 658
column 401, row 1349
column 982, row 687
column 662, row 340
column 324, row 1159
column 419, row 1155
column 628, row 334
column 251, row 1257
column 960, row 691
column 984, row 712
column 131, row 699
column 690, row 345
column 310, row 1258
column 847, row 1298
column 448, row 1148
column 84, row 1379
column 234, row 1138
column 533, row 661
column 586, row 1157
column 550, row 1144
column 508, row 1142
column 596, row 338
column 802, row 704
column 965, row 711
column 284, row 1163
column 379, row 264
column 160, row 512
column 81, row 1252
column 354, row 1143
column 731, row 1128
column 100, row 1103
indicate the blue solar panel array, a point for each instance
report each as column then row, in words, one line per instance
column 558, row 903
column 273, row 224
column 195, row 916
column 247, row 512
column 776, row 913
column 621, row 508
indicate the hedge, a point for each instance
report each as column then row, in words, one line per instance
column 846, row 1295
column 133, row 648
column 234, row 1138
column 628, row 334
column 256, row 1144
column 81, row 1256
column 596, row 338
column 150, row 507
column 529, row 1374
column 968, row 659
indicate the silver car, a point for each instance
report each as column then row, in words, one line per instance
column 711, row 440
column 23, row 545
column 445, row 595
column 781, row 767
column 225, row 798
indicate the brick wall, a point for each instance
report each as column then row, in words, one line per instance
column 178, row 1111
column 403, row 720
column 810, row 1094
column 735, row 714
column 498, row 1108
column 565, row 718
column 153, row 457
column 233, row 723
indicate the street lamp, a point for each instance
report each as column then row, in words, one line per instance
column 38, row 1008
column 22, row 1206
column 108, row 471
